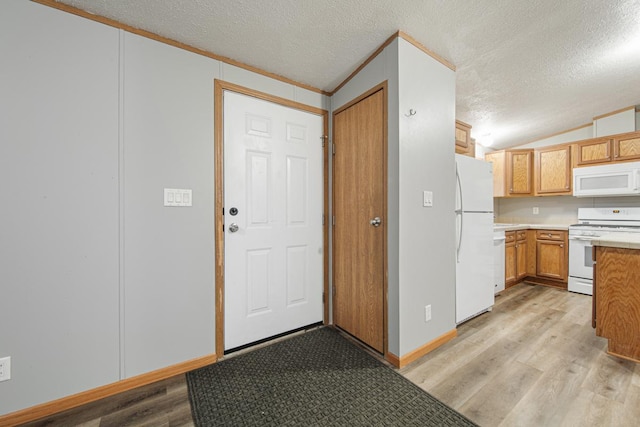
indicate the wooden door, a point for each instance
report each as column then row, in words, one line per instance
column 553, row 167
column 627, row 146
column 510, row 260
column 519, row 172
column 359, row 236
column 521, row 259
column 551, row 262
column 497, row 160
column 593, row 151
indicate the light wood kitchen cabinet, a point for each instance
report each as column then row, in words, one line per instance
column 551, row 254
column 521, row 254
column 512, row 172
column 616, row 298
column 515, row 257
column 519, row 172
column 615, row 148
column 497, row 159
column 592, row 151
column 463, row 138
column 510, row 261
column 626, row 146
column 553, row 170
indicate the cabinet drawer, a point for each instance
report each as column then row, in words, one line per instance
column 510, row 236
column 521, row 235
column 550, row 235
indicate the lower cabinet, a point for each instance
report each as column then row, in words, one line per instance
column 541, row 260
column 551, row 254
column 515, row 257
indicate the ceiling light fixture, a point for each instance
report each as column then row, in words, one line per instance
column 486, row 140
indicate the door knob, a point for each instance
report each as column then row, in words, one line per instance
column 376, row 221
column 233, row 227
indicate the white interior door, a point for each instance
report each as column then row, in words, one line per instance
column 273, row 201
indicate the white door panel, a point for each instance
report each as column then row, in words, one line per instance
column 273, row 177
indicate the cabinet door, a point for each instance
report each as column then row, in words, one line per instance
column 497, row 160
column 553, row 170
column 509, row 264
column 626, row 146
column 593, row 151
column 551, row 260
column 521, row 259
column 463, row 133
column 519, row 171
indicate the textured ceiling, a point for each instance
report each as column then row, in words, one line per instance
column 525, row 69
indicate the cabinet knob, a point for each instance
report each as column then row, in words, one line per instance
column 562, row 246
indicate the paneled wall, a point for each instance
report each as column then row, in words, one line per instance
column 100, row 281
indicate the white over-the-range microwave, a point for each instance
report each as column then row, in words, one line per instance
column 615, row 179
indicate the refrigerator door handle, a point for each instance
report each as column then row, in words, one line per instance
column 461, row 213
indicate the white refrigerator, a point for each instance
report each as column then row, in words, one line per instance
column 474, row 238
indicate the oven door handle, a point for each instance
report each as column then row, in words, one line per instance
column 582, row 239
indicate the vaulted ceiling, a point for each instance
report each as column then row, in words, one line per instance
column 525, row 69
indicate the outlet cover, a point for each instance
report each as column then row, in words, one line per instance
column 5, row 369
column 427, row 313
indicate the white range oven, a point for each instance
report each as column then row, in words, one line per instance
column 593, row 223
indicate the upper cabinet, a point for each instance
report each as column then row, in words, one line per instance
column 512, row 172
column 519, row 172
column 615, row 148
column 464, row 143
column 553, row 170
column 626, row 146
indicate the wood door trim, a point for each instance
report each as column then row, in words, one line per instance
column 219, row 87
column 385, row 102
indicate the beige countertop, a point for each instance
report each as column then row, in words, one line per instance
column 618, row 240
column 513, row 227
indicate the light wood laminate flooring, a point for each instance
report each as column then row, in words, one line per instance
column 533, row 361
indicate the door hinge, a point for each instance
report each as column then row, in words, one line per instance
column 333, row 149
column 323, row 297
column 333, row 221
column 323, row 219
column 324, row 139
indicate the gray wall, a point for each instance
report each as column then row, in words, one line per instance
column 426, row 162
column 59, row 217
column 100, row 281
column 420, row 243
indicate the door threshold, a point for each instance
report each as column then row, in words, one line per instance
column 236, row 351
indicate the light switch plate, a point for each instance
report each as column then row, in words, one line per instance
column 427, row 199
column 5, row 368
column 178, row 197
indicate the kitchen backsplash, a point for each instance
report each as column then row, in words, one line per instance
column 554, row 209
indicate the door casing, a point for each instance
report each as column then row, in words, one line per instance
column 219, row 87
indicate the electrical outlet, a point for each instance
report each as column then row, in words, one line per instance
column 427, row 313
column 536, row 210
column 5, row 368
